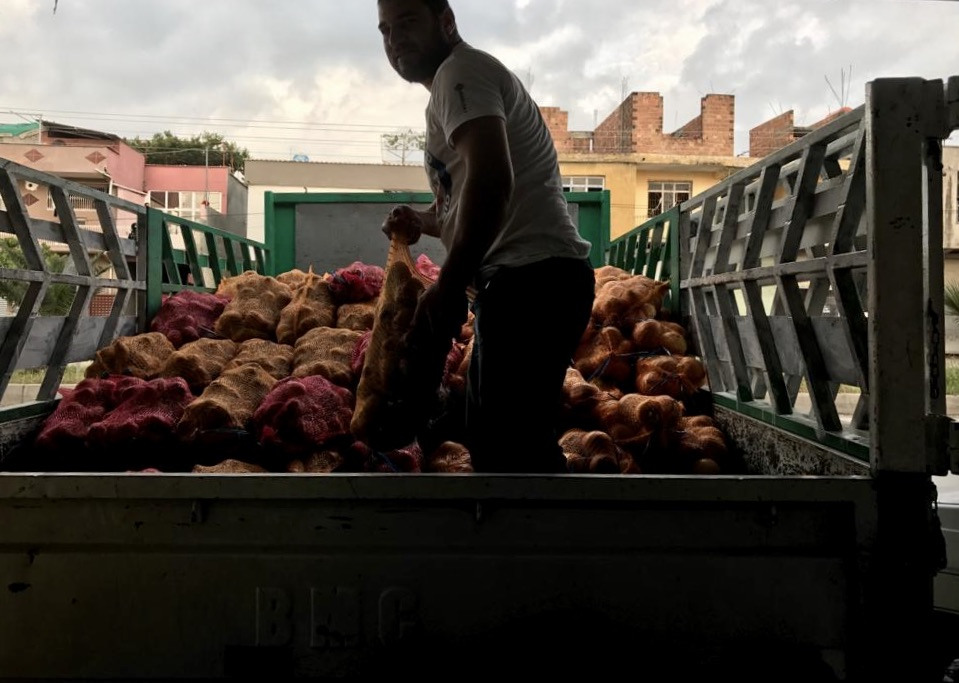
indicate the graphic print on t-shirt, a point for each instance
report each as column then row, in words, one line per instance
column 441, row 182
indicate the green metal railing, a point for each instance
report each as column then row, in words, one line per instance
column 208, row 256
column 652, row 250
column 281, row 218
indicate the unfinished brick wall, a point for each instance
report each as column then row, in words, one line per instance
column 636, row 127
column 557, row 121
column 769, row 136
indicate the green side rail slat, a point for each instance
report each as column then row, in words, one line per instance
column 163, row 274
column 652, row 250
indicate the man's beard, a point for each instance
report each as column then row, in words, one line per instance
column 419, row 68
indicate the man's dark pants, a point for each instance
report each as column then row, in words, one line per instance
column 528, row 322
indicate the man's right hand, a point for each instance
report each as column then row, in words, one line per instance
column 405, row 223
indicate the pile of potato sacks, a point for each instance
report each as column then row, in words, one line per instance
column 262, row 376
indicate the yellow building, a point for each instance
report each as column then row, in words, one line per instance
column 646, row 170
column 644, row 185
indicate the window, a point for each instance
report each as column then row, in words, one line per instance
column 78, row 202
column 664, row 195
column 188, row 205
column 578, row 183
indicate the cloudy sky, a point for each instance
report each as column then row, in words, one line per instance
column 285, row 77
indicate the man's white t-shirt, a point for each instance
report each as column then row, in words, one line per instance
column 470, row 84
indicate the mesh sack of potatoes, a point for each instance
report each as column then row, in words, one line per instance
column 146, row 412
column 448, row 458
column 654, row 335
column 276, row 359
column 230, row 466
column 254, row 310
column 595, row 452
column 623, row 303
column 65, row 430
column 358, row 316
column 312, row 306
column 141, row 355
column 408, row 459
column 605, row 274
column 669, row 375
column 228, row 285
column 582, row 401
column 328, row 352
column 644, row 422
column 357, row 282
column 187, row 316
column 605, row 355
column 294, row 278
column 701, row 445
column 300, row 415
column 320, row 462
column 400, row 380
column 228, row 402
column 199, row 362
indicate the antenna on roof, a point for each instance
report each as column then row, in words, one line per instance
column 55, row 6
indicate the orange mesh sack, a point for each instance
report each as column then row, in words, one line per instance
column 606, row 274
column 701, row 445
column 311, row 307
column 357, row 317
column 604, row 353
column 254, row 311
column 669, row 375
column 276, row 359
column 199, row 362
column 328, row 352
column 449, row 457
column 228, row 402
column 300, row 415
column 623, row 303
column 140, row 356
column 590, row 452
column 653, row 335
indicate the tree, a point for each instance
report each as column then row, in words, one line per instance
column 199, row 150
column 58, row 298
column 403, row 143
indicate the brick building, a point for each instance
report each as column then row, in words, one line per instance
column 782, row 130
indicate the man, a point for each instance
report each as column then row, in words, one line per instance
column 500, row 212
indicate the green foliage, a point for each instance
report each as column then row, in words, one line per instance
column 167, row 148
column 403, row 143
column 952, row 298
column 58, row 298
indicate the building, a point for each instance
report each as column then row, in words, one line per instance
column 781, row 130
column 302, row 176
column 647, row 171
column 950, row 210
column 105, row 162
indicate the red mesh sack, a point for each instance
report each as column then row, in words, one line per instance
column 67, row 427
column 407, row 459
column 187, row 316
column 359, row 353
column 147, row 411
column 301, row 414
column 426, row 267
column 142, row 356
column 357, row 282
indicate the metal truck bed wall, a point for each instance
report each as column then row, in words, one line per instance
column 816, row 565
